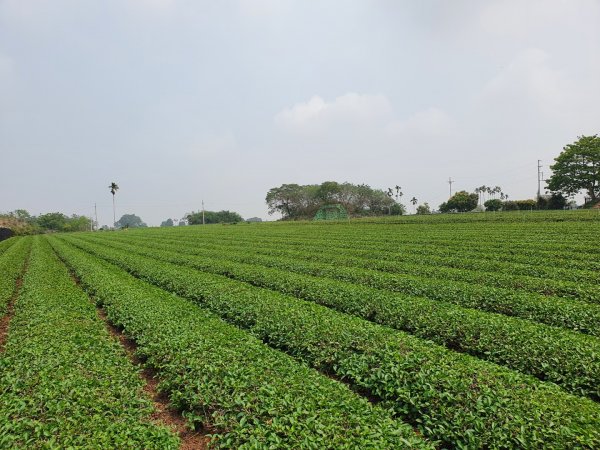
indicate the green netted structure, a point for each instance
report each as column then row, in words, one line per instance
column 331, row 212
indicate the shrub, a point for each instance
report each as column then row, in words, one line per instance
column 493, row 205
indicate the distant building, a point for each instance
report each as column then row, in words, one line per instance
column 254, row 219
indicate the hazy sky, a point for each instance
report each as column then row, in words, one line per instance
column 179, row 101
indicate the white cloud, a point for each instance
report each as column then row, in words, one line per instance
column 360, row 130
column 360, row 114
column 351, row 109
column 301, row 113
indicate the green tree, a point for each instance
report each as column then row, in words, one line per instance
column 493, row 204
column 462, row 201
column 329, row 192
column 378, row 202
column 21, row 214
column 526, row 205
column 557, row 201
column 55, row 221
column 398, row 194
column 423, row 209
column 130, row 221
column 195, row 218
column 77, row 223
column 286, row 200
column 113, row 190
column 167, row 223
column 397, row 209
column 577, row 168
column 294, row 201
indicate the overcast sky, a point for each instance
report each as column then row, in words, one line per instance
column 179, row 101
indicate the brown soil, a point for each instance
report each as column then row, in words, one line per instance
column 163, row 413
column 190, row 439
column 10, row 307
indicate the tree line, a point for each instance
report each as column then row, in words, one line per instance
column 210, row 217
column 576, row 169
column 296, row 202
column 22, row 222
column 464, row 201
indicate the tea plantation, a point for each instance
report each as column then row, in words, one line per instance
column 444, row 331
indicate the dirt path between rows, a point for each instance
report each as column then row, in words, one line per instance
column 10, row 307
column 164, row 414
column 190, row 439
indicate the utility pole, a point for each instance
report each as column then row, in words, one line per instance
column 539, row 167
column 96, row 215
column 202, row 212
column 450, row 181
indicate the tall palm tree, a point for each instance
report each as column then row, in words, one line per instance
column 414, row 202
column 497, row 190
column 398, row 192
column 482, row 190
column 114, row 187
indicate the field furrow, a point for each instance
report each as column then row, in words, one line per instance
column 564, row 313
column 570, row 281
column 551, row 354
column 465, row 247
column 65, row 383
column 453, row 398
column 502, row 242
column 222, row 377
column 12, row 263
column 413, row 265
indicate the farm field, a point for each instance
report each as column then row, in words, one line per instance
column 445, row 331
